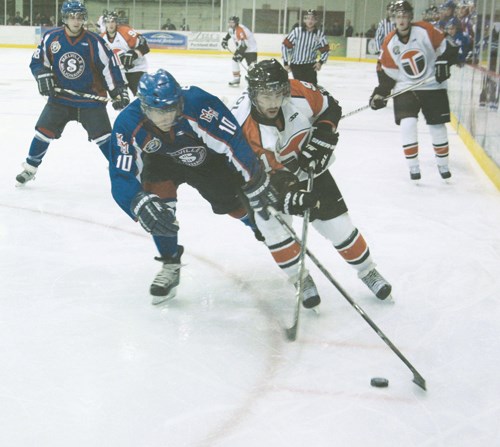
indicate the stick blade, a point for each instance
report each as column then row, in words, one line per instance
column 291, row 333
column 420, row 381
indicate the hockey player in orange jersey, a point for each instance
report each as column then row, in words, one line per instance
column 288, row 124
column 411, row 53
column 246, row 47
column 129, row 46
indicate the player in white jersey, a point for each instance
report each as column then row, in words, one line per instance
column 246, row 47
column 288, row 124
column 129, row 46
column 413, row 52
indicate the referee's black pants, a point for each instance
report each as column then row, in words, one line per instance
column 305, row 72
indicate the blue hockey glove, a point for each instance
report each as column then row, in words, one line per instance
column 319, row 149
column 155, row 216
column 260, row 195
column 127, row 59
column 46, row 83
column 120, row 98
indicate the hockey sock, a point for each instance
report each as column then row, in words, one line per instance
column 409, row 140
column 439, row 137
column 167, row 246
column 38, row 149
column 347, row 240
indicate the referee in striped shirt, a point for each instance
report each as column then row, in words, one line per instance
column 385, row 26
column 300, row 49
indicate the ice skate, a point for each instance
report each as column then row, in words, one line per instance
column 235, row 82
column 444, row 171
column 27, row 174
column 377, row 284
column 310, row 295
column 164, row 286
column 415, row 173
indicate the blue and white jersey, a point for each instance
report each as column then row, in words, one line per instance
column 206, row 129
column 83, row 63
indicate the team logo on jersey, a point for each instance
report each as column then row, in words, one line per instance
column 413, row 63
column 71, row 65
column 123, row 145
column 209, row 115
column 55, row 47
column 152, row 146
column 191, row 156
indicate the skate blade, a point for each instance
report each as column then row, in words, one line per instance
column 164, row 299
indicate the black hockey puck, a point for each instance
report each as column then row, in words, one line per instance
column 379, row 382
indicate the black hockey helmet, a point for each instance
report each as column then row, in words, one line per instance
column 234, row 19
column 402, row 6
column 312, row 13
column 267, row 76
column 111, row 16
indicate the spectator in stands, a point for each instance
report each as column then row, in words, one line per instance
column 184, row 26
column 372, row 31
column 337, row 29
column 17, row 20
column 168, row 25
column 349, row 30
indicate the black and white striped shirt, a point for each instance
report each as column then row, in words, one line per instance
column 385, row 26
column 301, row 46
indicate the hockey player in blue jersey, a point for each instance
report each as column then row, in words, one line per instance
column 172, row 135
column 72, row 58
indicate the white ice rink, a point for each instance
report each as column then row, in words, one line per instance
column 86, row 361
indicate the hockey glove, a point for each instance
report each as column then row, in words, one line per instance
column 291, row 199
column 319, row 149
column 377, row 99
column 127, row 59
column 120, row 98
column 46, row 83
column 442, row 70
column 260, row 194
column 224, row 44
column 155, row 216
column 237, row 58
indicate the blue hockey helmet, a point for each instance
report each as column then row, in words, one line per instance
column 73, row 8
column 160, row 93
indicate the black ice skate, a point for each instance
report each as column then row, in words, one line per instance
column 377, row 284
column 310, row 295
column 27, row 174
column 164, row 286
column 415, row 173
column 444, row 171
column 235, row 82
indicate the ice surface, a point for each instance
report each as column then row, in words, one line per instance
column 87, row 361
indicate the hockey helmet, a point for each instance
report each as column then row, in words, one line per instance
column 267, row 76
column 235, row 19
column 73, row 8
column 160, row 93
column 311, row 13
column 111, row 16
column 402, row 6
column 448, row 4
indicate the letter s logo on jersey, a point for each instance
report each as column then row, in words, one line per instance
column 71, row 65
column 413, row 63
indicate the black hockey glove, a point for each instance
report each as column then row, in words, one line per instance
column 46, row 83
column 319, row 149
column 155, row 216
column 127, row 59
column 224, row 43
column 120, row 98
column 291, row 199
column 378, row 99
column 237, row 58
column 260, row 194
column 442, row 70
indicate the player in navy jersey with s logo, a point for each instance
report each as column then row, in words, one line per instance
column 72, row 58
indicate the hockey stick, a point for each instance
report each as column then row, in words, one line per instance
column 83, row 95
column 291, row 332
column 400, row 92
column 417, row 378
